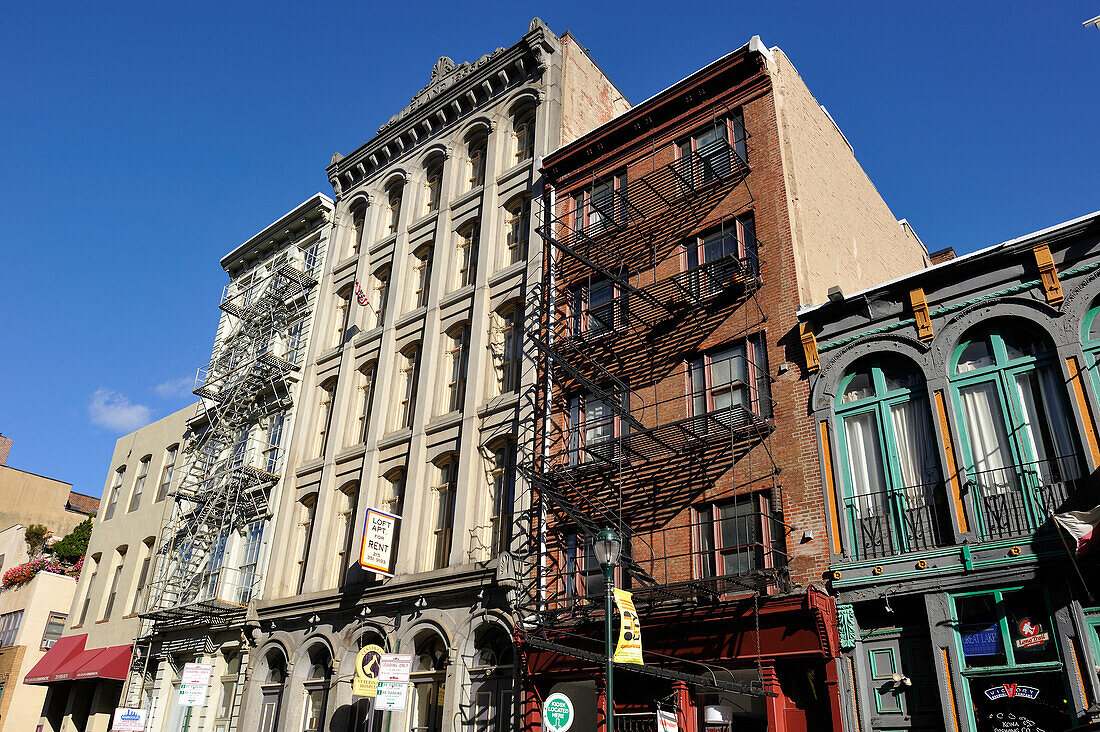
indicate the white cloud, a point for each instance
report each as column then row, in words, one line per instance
column 174, row 388
column 114, row 411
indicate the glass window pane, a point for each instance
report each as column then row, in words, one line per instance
column 859, row 387
column 1029, row 627
column 975, row 355
column 980, row 630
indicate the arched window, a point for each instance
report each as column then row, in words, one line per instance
column 271, row 689
column 407, row 372
column 393, row 209
column 420, row 275
column 1019, row 446
column 492, row 680
column 503, row 495
column 523, row 134
column 476, row 146
column 355, row 236
column 379, row 283
column 517, row 230
column 505, row 344
column 429, row 680
column 347, row 499
column 893, row 487
column 457, row 360
column 443, row 513
column 433, row 185
column 1090, row 342
column 364, row 717
column 316, row 686
column 467, row 240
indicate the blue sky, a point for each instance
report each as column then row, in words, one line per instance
column 139, row 143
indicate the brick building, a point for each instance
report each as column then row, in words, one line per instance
column 679, row 241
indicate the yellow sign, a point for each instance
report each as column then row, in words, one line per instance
column 367, row 664
column 629, row 648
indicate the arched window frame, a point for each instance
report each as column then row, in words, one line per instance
column 433, row 185
column 429, row 682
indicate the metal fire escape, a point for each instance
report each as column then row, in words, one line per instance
column 230, row 466
column 616, row 301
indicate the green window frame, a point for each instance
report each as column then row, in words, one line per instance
column 896, row 500
column 1011, row 663
column 1090, row 344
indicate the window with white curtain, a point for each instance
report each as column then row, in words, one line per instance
column 893, row 494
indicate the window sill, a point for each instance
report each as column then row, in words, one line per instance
column 395, row 438
column 456, row 295
column 467, row 197
column 498, row 403
column 450, row 419
column 76, row 627
column 131, row 615
column 524, row 166
column 504, row 273
column 105, row 620
column 423, row 221
column 410, row 316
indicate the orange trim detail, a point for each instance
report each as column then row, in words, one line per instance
column 952, row 466
column 1083, row 405
column 920, row 312
column 950, row 689
column 809, row 346
column 1077, row 668
column 1048, row 273
column 830, row 489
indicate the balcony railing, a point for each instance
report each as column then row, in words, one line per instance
column 1017, row 500
column 884, row 523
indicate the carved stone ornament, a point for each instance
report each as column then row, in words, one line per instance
column 846, row 624
column 443, row 66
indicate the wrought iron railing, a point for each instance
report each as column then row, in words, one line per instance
column 912, row 518
column 1017, row 500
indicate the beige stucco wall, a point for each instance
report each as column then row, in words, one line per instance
column 588, row 97
column 44, row 594
column 843, row 232
column 26, row 498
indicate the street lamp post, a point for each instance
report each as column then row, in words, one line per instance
column 607, row 547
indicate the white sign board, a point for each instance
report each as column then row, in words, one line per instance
column 129, row 720
column 395, row 667
column 666, row 722
column 378, row 533
column 557, row 713
column 193, row 695
column 392, row 696
column 196, row 673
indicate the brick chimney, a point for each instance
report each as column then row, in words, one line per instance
column 943, row 255
column 5, row 448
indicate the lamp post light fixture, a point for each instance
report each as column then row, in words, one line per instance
column 607, row 547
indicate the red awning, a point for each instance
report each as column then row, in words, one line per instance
column 59, row 657
column 104, row 663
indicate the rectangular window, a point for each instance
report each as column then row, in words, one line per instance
column 324, row 416
column 711, row 152
column 114, row 587
column 343, row 317
column 444, row 514
column 733, row 536
column 305, row 537
column 1005, row 628
column 143, row 579
column 112, row 498
column 458, row 353
column 703, row 255
column 362, row 412
column 55, row 625
column 504, row 495
column 601, row 206
column 250, row 557
column 88, row 592
column 9, row 627
column 139, row 484
column 274, row 441
column 166, row 472
column 597, row 309
column 347, row 499
column 311, row 255
column 511, row 337
column 728, row 381
column 593, row 427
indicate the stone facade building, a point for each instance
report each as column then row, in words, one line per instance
column 415, row 400
column 955, row 409
column 680, row 239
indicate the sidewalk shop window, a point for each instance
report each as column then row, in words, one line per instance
column 504, row 495
column 167, row 471
column 379, row 282
column 433, row 185
column 523, row 134
column 892, row 483
column 601, row 205
column 112, row 495
column 273, row 679
column 1019, row 444
column 347, row 498
column 363, row 716
column 139, row 484
column 420, row 274
column 734, row 536
column 467, row 241
column 9, row 627
column 408, row 370
column 728, row 382
column 517, row 226
column 358, row 222
column 456, row 364
column 250, row 558
column 707, row 154
column 475, row 160
column 597, row 308
column 316, row 688
column 227, row 689
column 55, row 626
column 393, row 209
column 429, row 684
column 443, row 513
column 594, row 424
column 146, row 555
column 704, row 255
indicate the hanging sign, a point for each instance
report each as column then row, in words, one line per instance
column 367, row 664
column 196, row 673
column 629, row 648
column 193, row 695
column 981, row 641
column 557, row 713
column 1031, row 635
column 392, row 696
column 395, row 667
column 379, row 530
column 666, row 721
column 129, row 720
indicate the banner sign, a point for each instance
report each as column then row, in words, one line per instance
column 629, row 648
column 666, row 721
column 392, row 696
column 557, row 713
column 129, row 720
column 367, row 664
column 395, row 667
column 378, row 534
